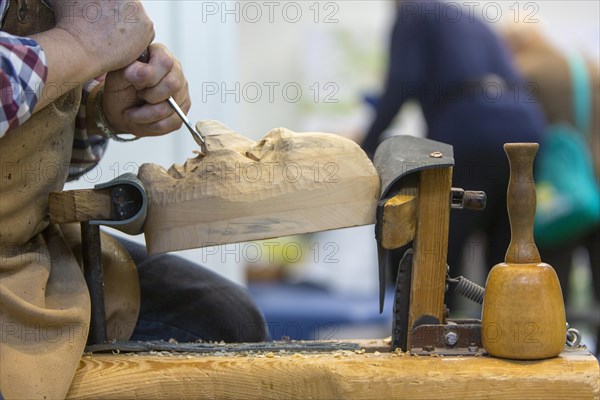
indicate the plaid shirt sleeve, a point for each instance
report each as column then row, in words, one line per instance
column 24, row 71
column 22, row 78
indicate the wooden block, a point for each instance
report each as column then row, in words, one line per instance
column 574, row 375
column 79, row 206
column 288, row 183
column 399, row 221
column 430, row 246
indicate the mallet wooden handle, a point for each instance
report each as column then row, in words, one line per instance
column 521, row 203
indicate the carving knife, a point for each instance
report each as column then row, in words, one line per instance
column 195, row 134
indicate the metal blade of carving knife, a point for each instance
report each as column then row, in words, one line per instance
column 195, row 134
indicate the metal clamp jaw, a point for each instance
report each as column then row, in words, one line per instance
column 120, row 203
column 129, row 204
column 414, row 207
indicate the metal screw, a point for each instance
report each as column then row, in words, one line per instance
column 436, row 154
column 117, row 194
column 473, row 348
column 451, row 338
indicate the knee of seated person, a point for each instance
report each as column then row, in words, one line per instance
column 187, row 302
column 236, row 321
column 251, row 328
column 221, row 321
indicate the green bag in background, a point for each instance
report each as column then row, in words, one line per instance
column 568, row 196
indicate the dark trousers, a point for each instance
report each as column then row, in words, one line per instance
column 183, row 301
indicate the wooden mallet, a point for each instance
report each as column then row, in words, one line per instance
column 523, row 314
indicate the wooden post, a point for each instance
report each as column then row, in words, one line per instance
column 430, row 246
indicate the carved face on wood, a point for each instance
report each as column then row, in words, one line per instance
column 282, row 156
column 287, row 183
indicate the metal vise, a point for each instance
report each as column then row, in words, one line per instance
column 120, row 204
column 415, row 202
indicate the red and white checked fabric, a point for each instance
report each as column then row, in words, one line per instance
column 23, row 74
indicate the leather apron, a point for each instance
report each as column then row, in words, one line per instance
column 44, row 302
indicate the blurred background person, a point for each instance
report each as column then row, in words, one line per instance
column 549, row 69
column 472, row 98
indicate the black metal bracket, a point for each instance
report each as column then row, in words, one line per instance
column 455, row 338
column 128, row 214
column 94, row 277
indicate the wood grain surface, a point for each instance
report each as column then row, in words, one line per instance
column 574, row 376
column 399, row 221
column 431, row 246
column 79, row 205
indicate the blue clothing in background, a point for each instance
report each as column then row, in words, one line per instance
column 463, row 78
column 472, row 98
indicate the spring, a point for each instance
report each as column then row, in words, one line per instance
column 470, row 290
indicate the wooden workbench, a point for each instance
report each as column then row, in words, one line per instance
column 342, row 374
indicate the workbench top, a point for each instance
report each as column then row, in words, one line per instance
column 362, row 374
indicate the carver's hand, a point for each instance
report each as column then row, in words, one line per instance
column 91, row 38
column 109, row 32
column 134, row 97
